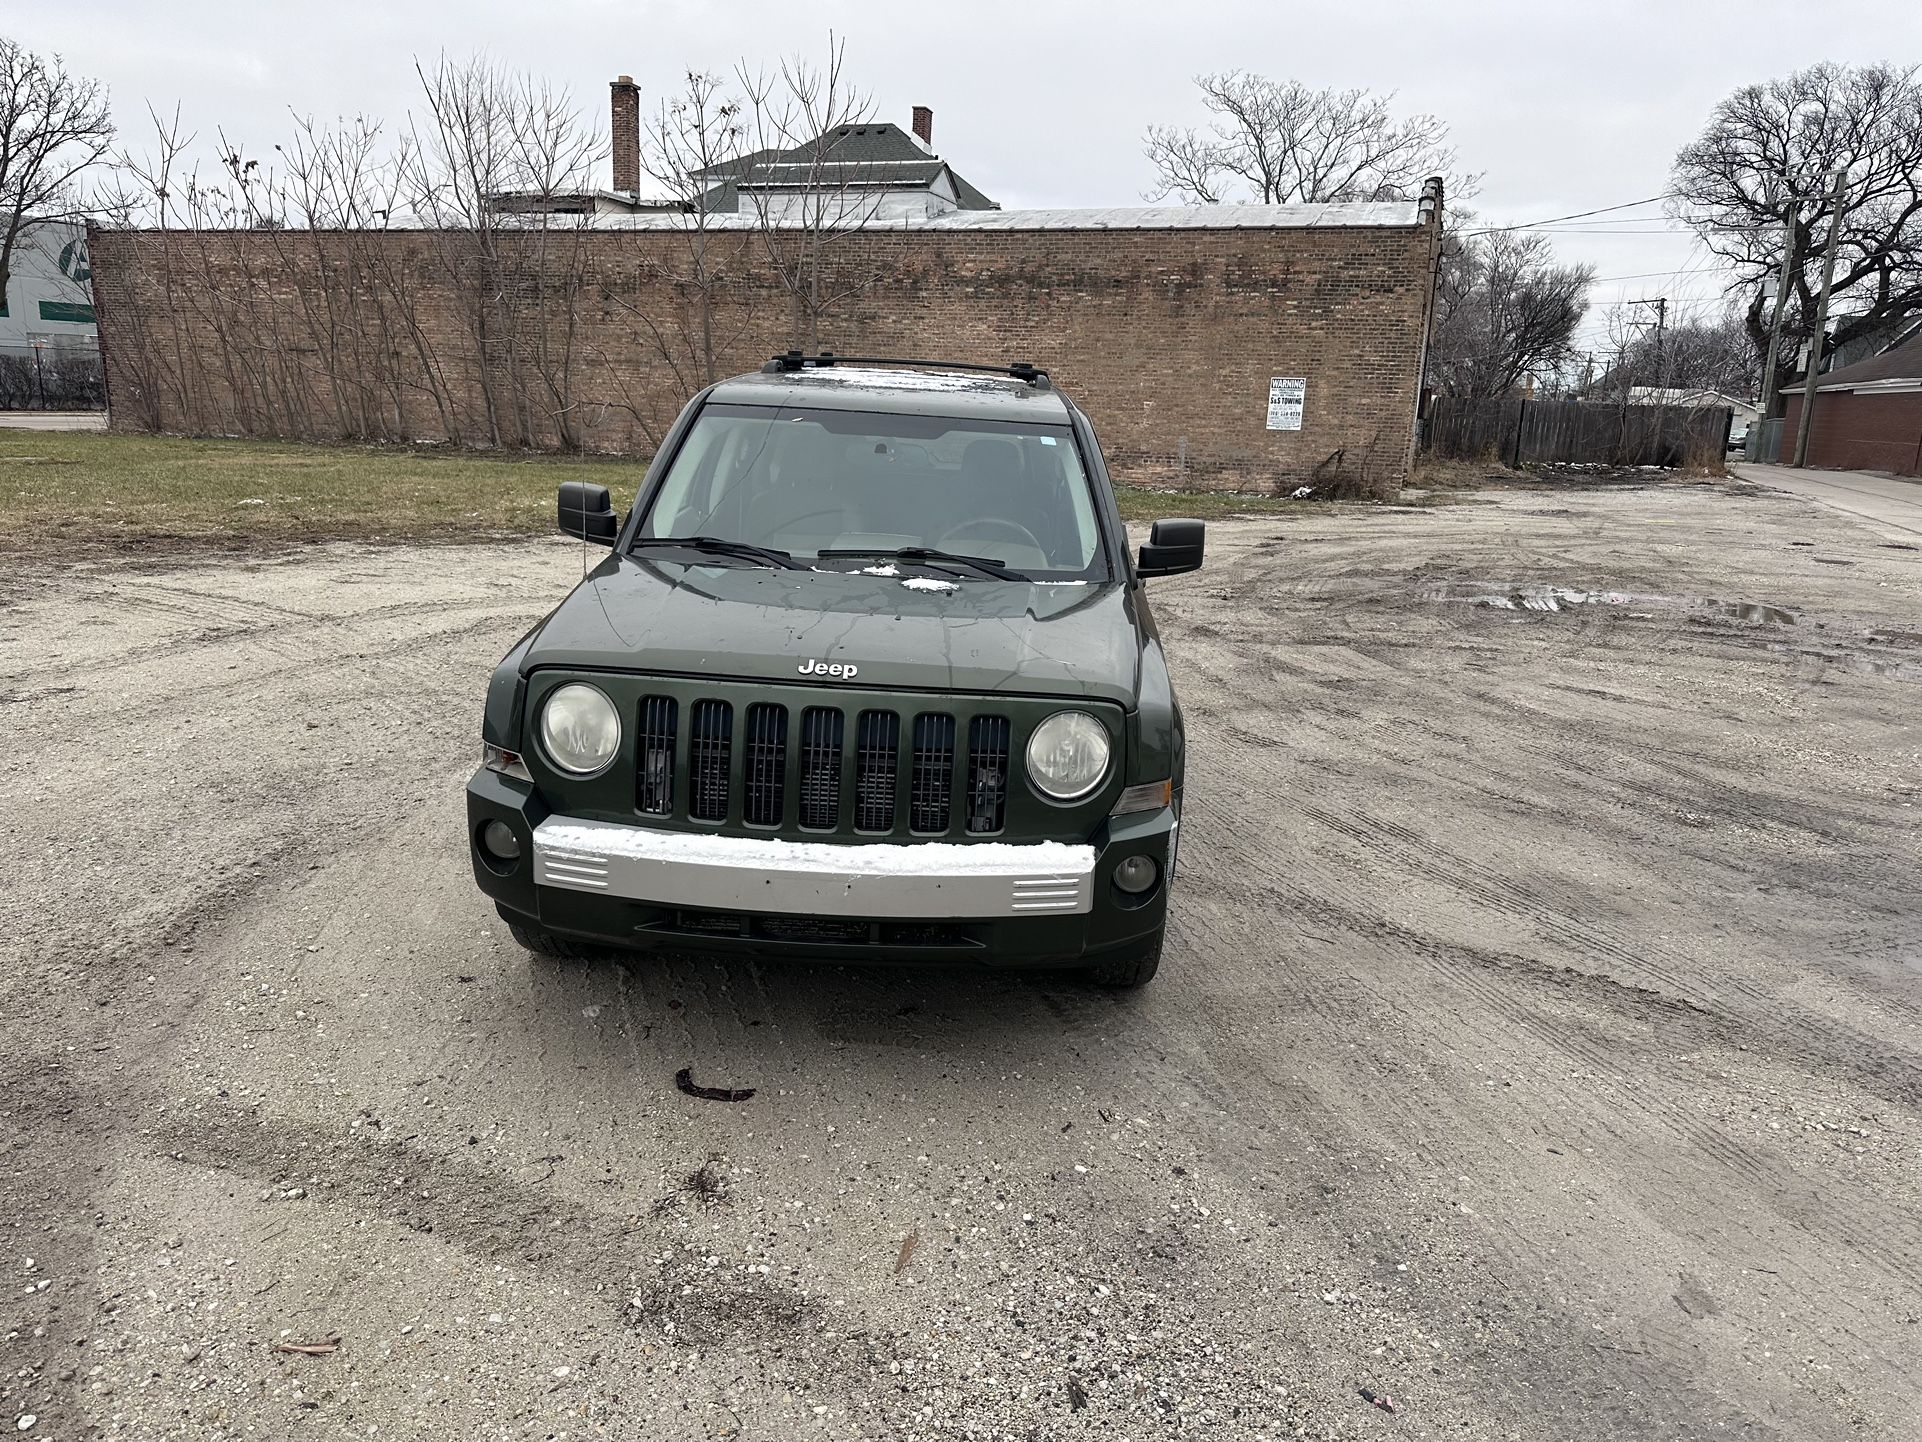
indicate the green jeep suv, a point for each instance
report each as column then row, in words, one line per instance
column 869, row 673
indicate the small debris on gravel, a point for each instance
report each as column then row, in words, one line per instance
column 684, row 1079
column 908, row 1244
column 1377, row 1399
column 708, row 1182
column 310, row 1349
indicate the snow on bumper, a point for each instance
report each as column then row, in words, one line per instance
column 814, row 878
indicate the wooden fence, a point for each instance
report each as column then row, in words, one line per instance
column 1520, row 432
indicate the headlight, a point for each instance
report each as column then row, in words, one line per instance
column 580, row 729
column 1068, row 755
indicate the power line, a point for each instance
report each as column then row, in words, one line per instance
column 1616, row 220
column 1578, row 215
column 1640, row 275
column 1591, row 230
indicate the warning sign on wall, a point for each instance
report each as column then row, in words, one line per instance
column 1285, row 398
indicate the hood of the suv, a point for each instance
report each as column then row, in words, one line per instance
column 1076, row 640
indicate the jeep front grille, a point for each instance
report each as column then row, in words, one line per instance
column 828, row 768
column 654, row 755
column 933, row 774
column 765, row 771
column 820, row 768
column 877, row 758
column 987, row 773
column 710, row 744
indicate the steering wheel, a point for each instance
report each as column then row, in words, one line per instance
column 832, row 519
column 1011, row 530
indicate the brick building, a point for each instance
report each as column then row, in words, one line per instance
column 1172, row 326
column 1868, row 416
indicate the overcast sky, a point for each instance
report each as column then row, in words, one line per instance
column 1564, row 108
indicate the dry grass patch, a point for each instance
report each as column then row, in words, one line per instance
column 170, row 491
column 1432, row 473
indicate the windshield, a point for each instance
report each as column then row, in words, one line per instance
column 805, row 482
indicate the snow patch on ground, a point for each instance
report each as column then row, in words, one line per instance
column 1553, row 598
column 563, row 840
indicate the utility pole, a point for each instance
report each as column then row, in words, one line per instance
column 1660, row 388
column 1775, row 345
column 1821, row 320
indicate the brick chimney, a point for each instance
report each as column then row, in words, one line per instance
column 924, row 125
column 625, row 106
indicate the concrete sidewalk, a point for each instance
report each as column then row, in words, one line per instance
column 1886, row 501
column 54, row 420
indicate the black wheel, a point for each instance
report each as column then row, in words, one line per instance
column 1135, row 967
column 545, row 943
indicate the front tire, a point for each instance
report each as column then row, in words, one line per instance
column 1125, row 970
column 546, row 943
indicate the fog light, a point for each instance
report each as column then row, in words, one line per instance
column 498, row 840
column 1135, row 875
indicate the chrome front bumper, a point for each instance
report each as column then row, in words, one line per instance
column 930, row 879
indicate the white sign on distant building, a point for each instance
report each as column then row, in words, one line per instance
column 1285, row 398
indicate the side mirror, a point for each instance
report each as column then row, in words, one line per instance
column 586, row 512
column 1173, row 546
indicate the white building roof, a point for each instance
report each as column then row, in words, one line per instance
column 1131, row 217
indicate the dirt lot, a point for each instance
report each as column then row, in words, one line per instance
column 1540, row 1044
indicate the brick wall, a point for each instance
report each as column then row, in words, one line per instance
column 1168, row 337
column 1857, row 432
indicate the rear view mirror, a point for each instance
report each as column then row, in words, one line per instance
column 586, row 512
column 1174, row 546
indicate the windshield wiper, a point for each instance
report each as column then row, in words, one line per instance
column 986, row 565
column 721, row 546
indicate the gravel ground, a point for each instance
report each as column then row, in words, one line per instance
column 1539, row 1044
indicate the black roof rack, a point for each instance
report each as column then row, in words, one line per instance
column 794, row 360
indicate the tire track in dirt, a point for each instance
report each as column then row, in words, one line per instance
column 1480, row 986
column 1891, row 1072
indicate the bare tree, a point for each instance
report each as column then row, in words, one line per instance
column 1503, row 309
column 338, row 190
column 198, row 364
column 684, row 297
column 53, row 126
column 288, row 311
column 1277, row 142
column 1754, row 186
column 490, row 170
column 804, row 193
column 693, row 141
column 1691, row 352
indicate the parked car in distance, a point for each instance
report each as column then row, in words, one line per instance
column 867, row 673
